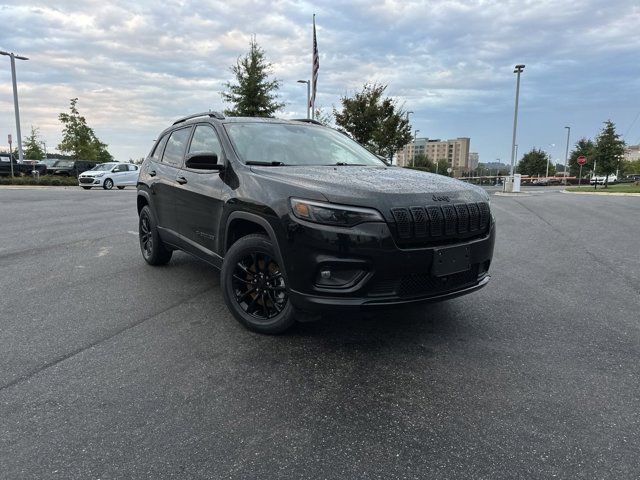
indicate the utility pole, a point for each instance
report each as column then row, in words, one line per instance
column 566, row 156
column 15, row 98
column 518, row 70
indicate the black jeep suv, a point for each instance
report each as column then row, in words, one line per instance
column 301, row 219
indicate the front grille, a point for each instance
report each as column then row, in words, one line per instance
column 440, row 224
column 86, row 179
column 422, row 284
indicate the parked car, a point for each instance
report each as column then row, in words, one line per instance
column 613, row 178
column 301, row 219
column 108, row 175
column 9, row 164
column 68, row 168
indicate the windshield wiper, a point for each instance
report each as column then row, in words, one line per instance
column 341, row 164
column 265, row 164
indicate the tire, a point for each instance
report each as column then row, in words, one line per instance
column 153, row 250
column 87, row 188
column 120, row 187
column 254, row 286
column 108, row 184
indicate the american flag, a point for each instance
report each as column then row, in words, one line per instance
column 314, row 69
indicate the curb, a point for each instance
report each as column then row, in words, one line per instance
column 613, row 194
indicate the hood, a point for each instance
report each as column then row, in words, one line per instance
column 378, row 187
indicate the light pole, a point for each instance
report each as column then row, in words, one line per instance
column 308, row 82
column 514, row 167
column 44, row 144
column 518, row 71
column 413, row 157
column 406, row 156
column 15, row 98
column 566, row 155
column 553, row 145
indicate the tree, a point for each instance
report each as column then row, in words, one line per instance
column 32, row 146
column 374, row 121
column 78, row 139
column 534, row 162
column 324, row 117
column 609, row 150
column 586, row 148
column 254, row 95
column 421, row 160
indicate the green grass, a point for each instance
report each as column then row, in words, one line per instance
column 43, row 180
column 617, row 188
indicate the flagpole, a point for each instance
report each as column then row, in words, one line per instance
column 313, row 87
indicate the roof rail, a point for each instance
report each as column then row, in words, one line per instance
column 307, row 120
column 210, row 113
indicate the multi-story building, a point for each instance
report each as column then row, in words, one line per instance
column 446, row 153
column 474, row 159
column 632, row 153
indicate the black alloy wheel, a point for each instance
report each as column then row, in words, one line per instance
column 254, row 286
column 153, row 250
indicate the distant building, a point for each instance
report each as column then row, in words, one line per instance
column 452, row 153
column 474, row 159
column 632, row 153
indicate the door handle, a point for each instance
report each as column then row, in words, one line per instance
column 152, row 173
column 181, row 180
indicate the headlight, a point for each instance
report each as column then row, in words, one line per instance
column 331, row 214
column 100, row 174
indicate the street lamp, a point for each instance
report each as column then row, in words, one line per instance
column 566, row 155
column 44, row 144
column 518, row 71
column 308, row 82
column 552, row 145
column 15, row 98
column 415, row 139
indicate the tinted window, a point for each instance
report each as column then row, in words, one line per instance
column 121, row 168
column 176, row 145
column 205, row 140
column 133, row 168
column 157, row 152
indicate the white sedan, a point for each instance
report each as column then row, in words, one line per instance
column 108, row 175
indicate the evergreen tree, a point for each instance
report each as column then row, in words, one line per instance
column 78, row 139
column 374, row 121
column 586, row 148
column 32, row 146
column 609, row 150
column 253, row 95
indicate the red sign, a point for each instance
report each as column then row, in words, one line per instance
column 582, row 160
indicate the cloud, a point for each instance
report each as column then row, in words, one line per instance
column 135, row 67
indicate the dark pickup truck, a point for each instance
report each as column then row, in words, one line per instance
column 20, row 169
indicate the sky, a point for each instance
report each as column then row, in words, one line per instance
column 137, row 66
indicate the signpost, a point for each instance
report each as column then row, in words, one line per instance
column 10, row 155
column 581, row 161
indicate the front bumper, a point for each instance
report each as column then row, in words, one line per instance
column 389, row 275
column 90, row 181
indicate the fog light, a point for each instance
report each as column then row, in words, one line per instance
column 340, row 277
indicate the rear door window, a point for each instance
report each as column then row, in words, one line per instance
column 176, row 146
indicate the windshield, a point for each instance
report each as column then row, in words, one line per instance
column 290, row 144
column 49, row 163
column 103, row 167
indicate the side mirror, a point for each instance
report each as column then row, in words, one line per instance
column 203, row 161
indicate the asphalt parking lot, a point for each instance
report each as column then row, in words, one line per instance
column 110, row 368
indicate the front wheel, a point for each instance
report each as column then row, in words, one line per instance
column 87, row 188
column 254, row 286
column 108, row 184
column 120, row 187
column 153, row 250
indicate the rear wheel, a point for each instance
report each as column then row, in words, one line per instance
column 108, row 184
column 254, row 286
column 120, row 187
column 153, row 250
